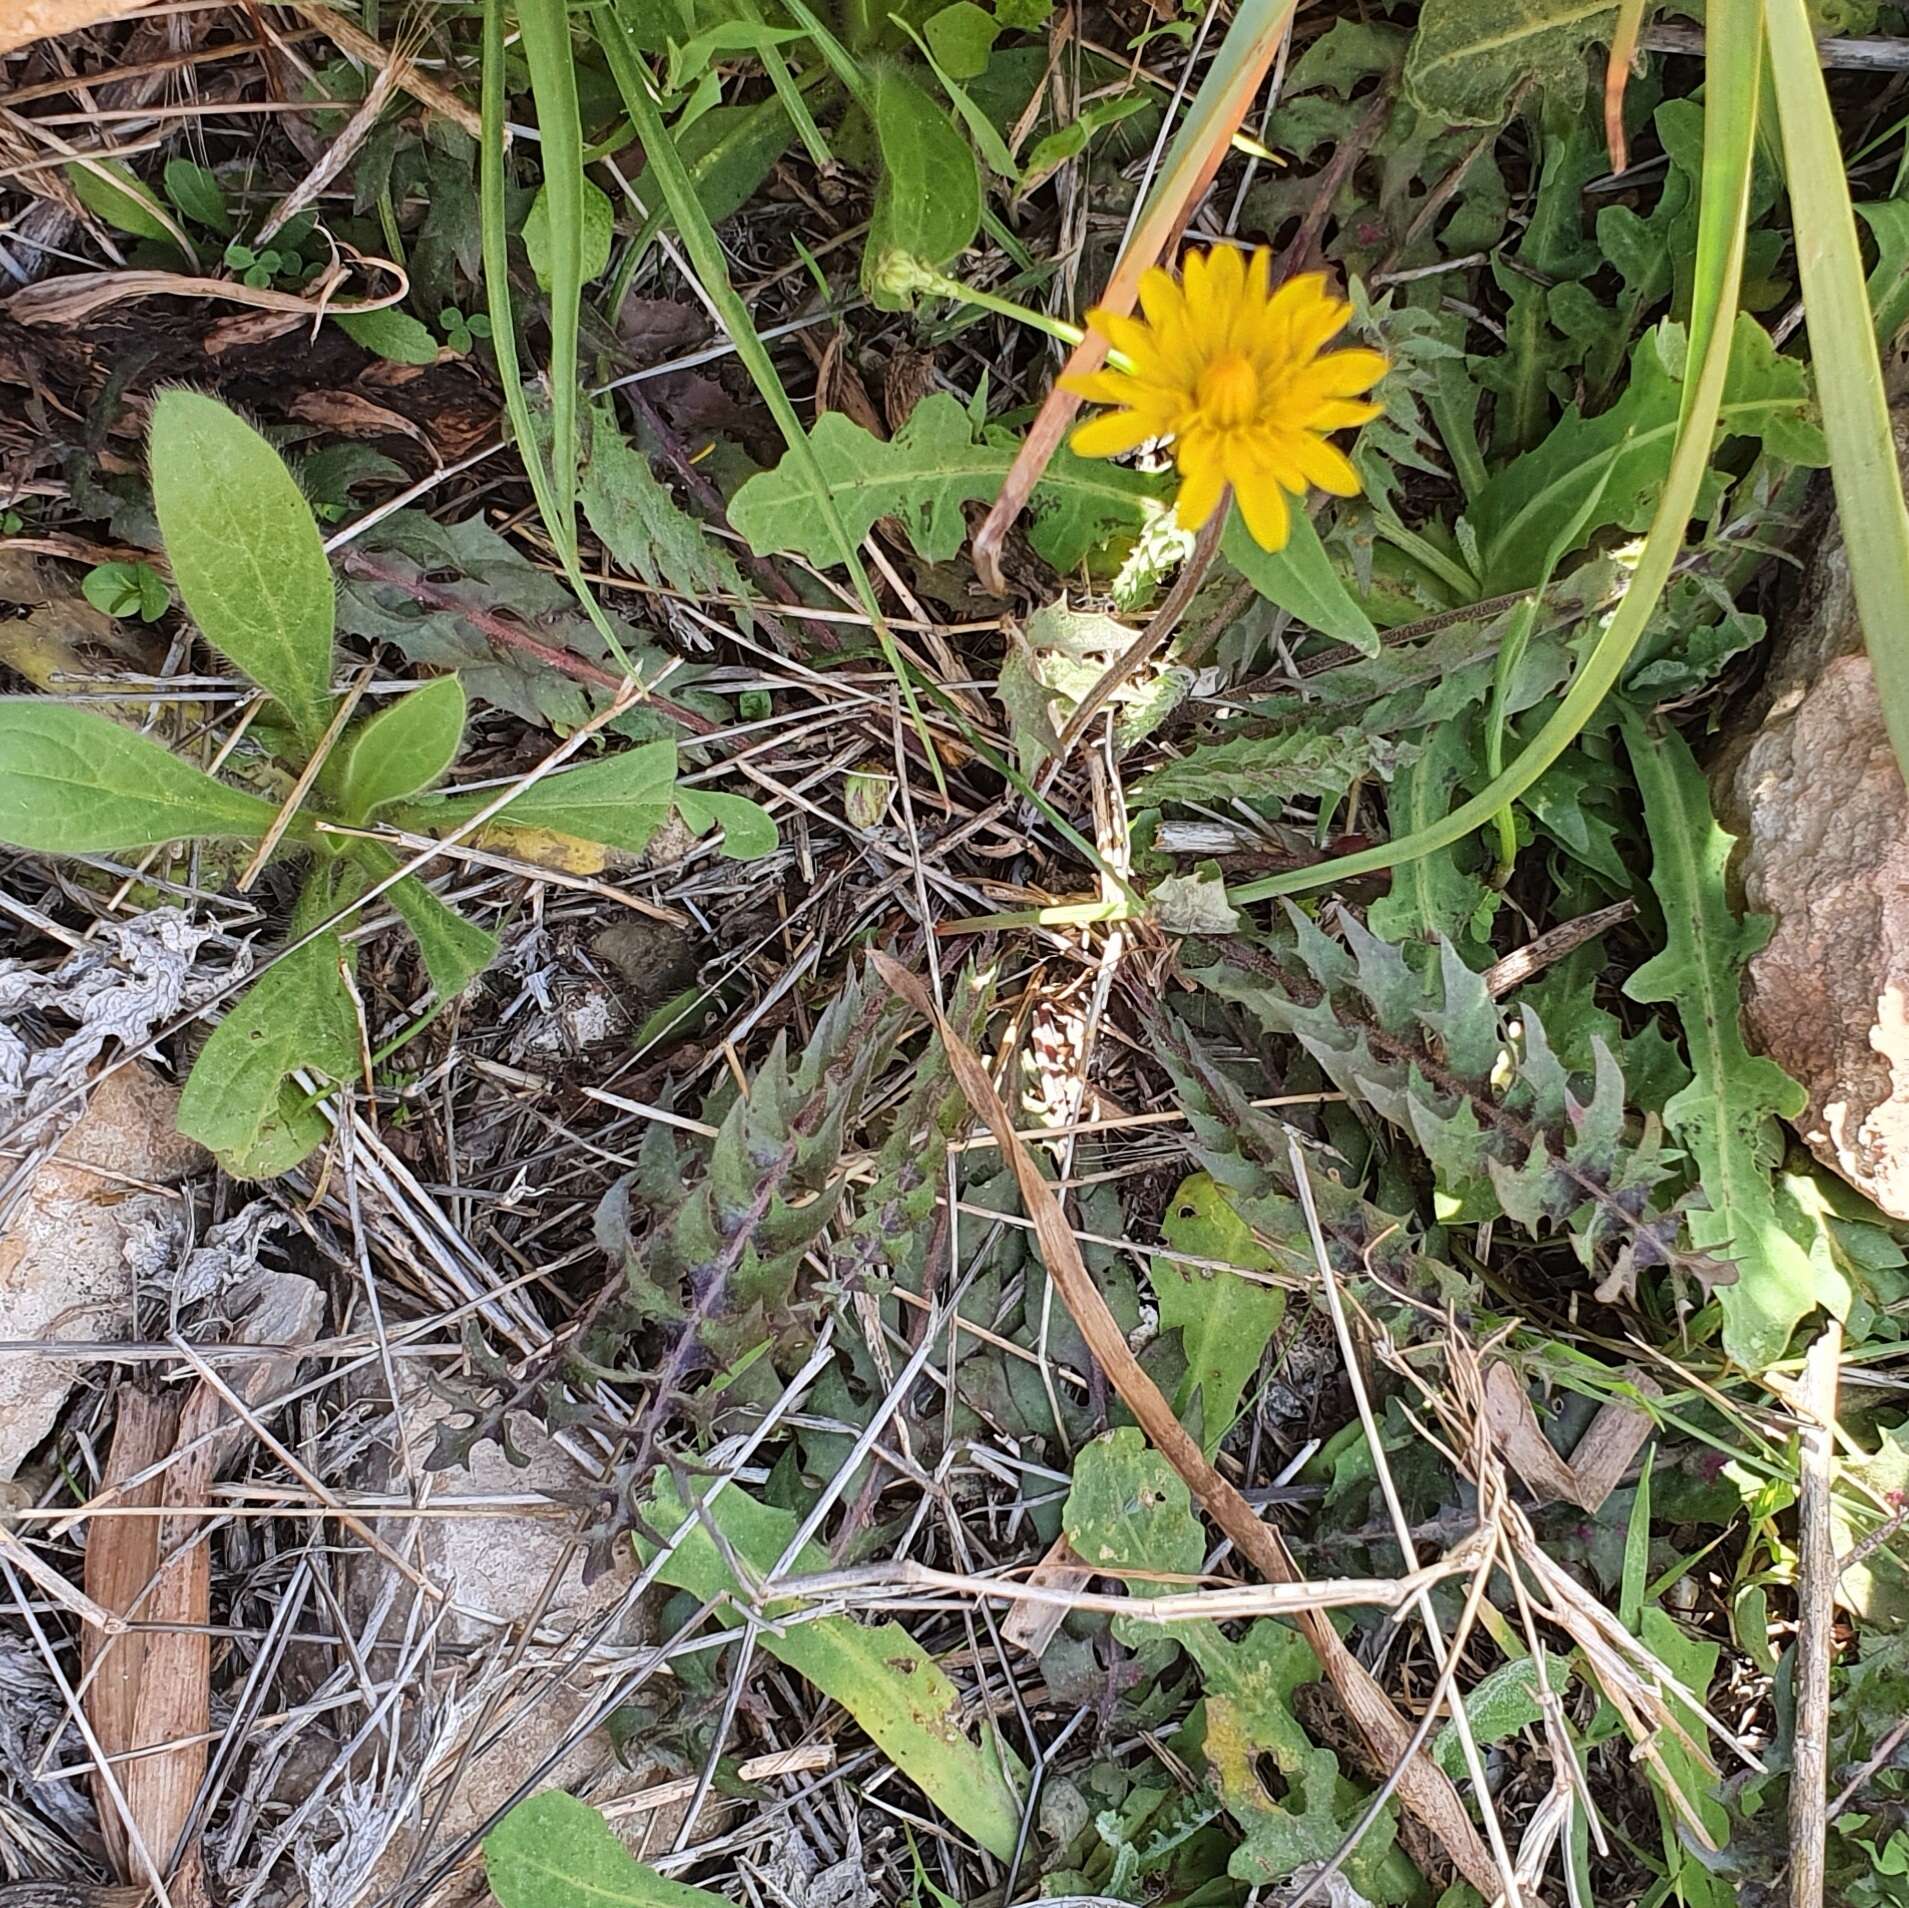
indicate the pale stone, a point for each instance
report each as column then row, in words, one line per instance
column 1819, row 802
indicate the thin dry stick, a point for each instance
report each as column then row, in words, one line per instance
column 342, row 150
column 347, row 703
column 68, row 1596
column 1816, row 1576
column 1192, row 1606
column 1422, row 1787
column 109, row 1780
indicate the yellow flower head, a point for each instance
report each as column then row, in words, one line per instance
column 1235, row 376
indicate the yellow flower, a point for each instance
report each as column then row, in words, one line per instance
column 1234, row 375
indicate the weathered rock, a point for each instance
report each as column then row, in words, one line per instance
column 63, row 1270
column 1819, row 803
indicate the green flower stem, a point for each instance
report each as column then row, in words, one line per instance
column 939, row 285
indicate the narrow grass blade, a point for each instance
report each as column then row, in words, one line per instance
column 1856, row 417
column 555, row 504
column 711, row 266
column 544, row 33
column 1732, row 66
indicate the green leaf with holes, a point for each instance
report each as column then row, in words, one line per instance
column 1129, row 1513
column 1225, row 1321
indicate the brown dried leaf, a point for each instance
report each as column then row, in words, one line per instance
column 1520, row 1438
column 30, row 20
column 122, row 1564
column 1613, row 1439
column 1603, row 1453
column 1033, row 1626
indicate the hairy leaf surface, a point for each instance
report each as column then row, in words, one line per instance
column 76, row 783
column 245, row 551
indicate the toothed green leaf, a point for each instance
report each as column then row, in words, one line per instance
column 1726, row 1116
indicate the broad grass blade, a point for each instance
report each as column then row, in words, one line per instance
column 1856, row 418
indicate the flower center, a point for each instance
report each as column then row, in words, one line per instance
column 1229, row 391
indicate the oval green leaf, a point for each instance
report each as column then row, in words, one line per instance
column 73, row 783
column 392, row 334
column 197, row 194
column 1300, row 579
column 107, row 188
column 240, row 1099
column 597, row 224
column 402, row 749
column 748, row 829
column 245, row 551
column 620, row 802
column 928, row 204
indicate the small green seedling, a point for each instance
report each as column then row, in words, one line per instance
column 126, row 590
column 249, row 566
column 460, row 331
column 282, row 261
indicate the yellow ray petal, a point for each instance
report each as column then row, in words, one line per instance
column 1194, row 288
column 1263, row 505
column 1299, row 295
column 1341, row 374
column 1324, row 466
column 1225, row 273
column 1318, row 323
column 1099, row 387
column 1259, row 275
column 1263, row 452
column 1161, row 299
column 1133, row 338
column 1201, row 485
column 1341, row 414
column 1112, row 433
